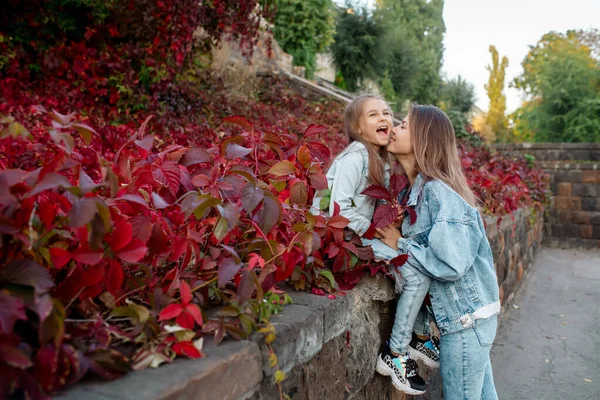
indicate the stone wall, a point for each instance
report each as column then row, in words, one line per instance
column 326, row 347
column 573, row 219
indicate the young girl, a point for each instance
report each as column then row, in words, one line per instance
column 448, row 255
column 368, row 124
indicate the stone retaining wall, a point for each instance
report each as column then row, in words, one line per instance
column 573, row 220
column 327, row 348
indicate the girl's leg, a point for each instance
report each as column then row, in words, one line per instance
column 465, row 362
column 416, row 287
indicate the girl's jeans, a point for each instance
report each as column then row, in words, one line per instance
column 408, row 310
column 465, row 362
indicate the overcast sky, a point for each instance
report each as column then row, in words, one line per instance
column 510, row 25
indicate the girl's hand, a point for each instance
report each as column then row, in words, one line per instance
column 390, row 236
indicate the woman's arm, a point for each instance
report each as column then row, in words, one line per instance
column 453, row 245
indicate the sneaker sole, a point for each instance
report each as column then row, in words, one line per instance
column 385, row 370
column 417, row 355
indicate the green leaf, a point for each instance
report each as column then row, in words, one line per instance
column 282, row 168
column 86, row 132
column 221, row 229
column 205, row 203
column 327, row 274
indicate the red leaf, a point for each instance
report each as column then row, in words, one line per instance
column 186, row 349
column 115, row 277
column 251, row 197
column 314, row 130
column 87, row 256
column 412, row 214
column 60, row 257
column 195, row 156
column 400, row 260
column 227, row 270
column 194, row 311
column 14, row 357
column 82, row 212
column 121, row 235
column 370, row 233
column 133, row 252
column 397, row 183
column 384, row 215
column 47, row 212
column 271, row 212
column 255, row 259
column 186, row 293
column 50, row 181
column 299, row 193
column 377, row 192
column 12, row 309
column 146, row 143
column 171, row 311
column 338, row 221
column 304, row 156
column 185, row 320
column 200, row 180
column 167, row 174
column 241, row 121
column 236, row 151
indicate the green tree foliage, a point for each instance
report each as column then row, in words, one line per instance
column 496, row 115
column 304, row 28
column 561, row 83
column 357, row 49
column 457, row 94
column 413, row 39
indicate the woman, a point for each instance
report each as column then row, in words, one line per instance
column 447, row 246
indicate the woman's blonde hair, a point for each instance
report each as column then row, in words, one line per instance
column 377, row 159
column 434, row 144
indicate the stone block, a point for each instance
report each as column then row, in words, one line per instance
column 574, row 176
column 574, row 203
column 229, row 371
column 587, row 231
column 589, row 176
column 501, row 267
column 520, row 270
column 336, row 312
column 299, row 336
column 594, row 217
column 580, row 217
column 590, row 204
column 596, row 232
column 564, row 189
column 589, row 190
column 561, row 202
column 371, row 323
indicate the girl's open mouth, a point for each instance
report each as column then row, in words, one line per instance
column 383, row 130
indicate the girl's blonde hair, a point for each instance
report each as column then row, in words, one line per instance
column 434, row 144
column 352, row 115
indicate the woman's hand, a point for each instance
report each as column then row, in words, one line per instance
column 390, row 236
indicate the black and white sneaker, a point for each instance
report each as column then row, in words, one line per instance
column 403, row 371
column 427, row 351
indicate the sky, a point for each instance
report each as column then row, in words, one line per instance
column 510, row 25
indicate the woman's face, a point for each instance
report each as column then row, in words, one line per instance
column 400, row 143
column 375, row 122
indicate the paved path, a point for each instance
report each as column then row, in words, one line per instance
column 549, row 347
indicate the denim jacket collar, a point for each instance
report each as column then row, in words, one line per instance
column 417, row 188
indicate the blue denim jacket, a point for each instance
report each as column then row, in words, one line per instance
column 448, row 243
column 347, row 177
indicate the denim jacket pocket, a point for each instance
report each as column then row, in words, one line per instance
column 486, row 331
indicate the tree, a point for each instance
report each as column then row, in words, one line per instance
column 304, row 28
column 561, row 85
column 457, row 94
column 413, row 38
column 357, row 50
column 496, row 115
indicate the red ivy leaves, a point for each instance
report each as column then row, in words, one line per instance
column 185, row 312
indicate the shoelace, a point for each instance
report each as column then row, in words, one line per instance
column 411, row 367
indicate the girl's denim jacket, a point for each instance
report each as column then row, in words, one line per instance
column 347, row 177
column 448, row 243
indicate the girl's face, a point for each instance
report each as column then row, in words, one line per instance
column 375, row 123
column 400, row 143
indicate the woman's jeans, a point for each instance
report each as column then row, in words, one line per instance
column 409, row 315
column 465, row 363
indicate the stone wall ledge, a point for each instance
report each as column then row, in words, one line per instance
column 546, row 146
column 326, row 347
column 569, row 165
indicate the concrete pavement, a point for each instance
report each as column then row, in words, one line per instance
column 548, row 346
